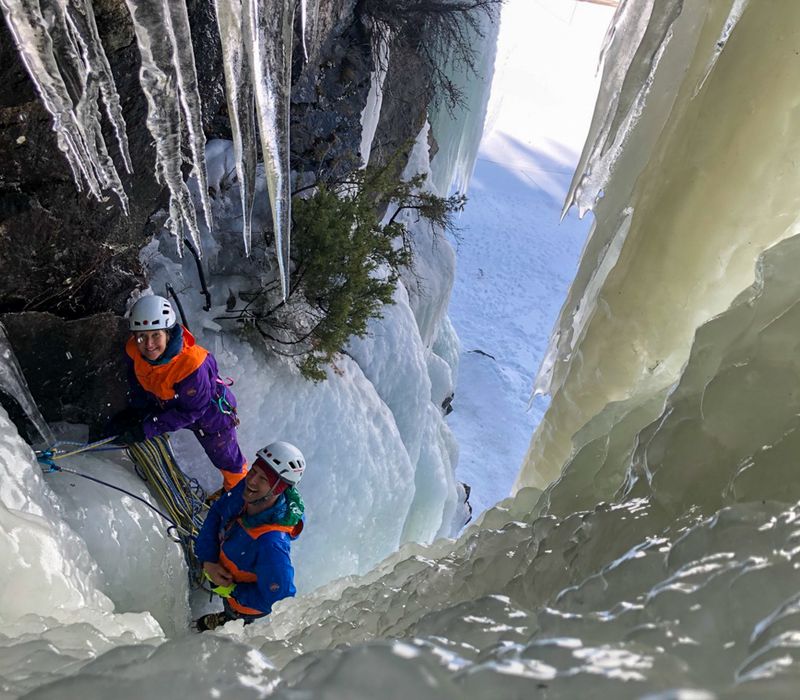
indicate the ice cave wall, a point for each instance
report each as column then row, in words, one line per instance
column 707, row 181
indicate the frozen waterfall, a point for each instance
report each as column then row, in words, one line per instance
column 651, row 549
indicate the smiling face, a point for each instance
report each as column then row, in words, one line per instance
column 261, row 482
column 257, row 486
column 152, row 344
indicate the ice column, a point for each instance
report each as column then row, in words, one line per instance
column 270, row 56
column 458, row 131
column 372, row 110
column 234, row 31
column 169, row 81
column 12, row 382
column 59, row 44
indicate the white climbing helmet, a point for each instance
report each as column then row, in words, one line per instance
column 285, row 460
column 152, row 313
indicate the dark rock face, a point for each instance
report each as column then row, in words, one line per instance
column 70, row 256
column 61, row 250
column 404, row 107
column 329, row 92
column 74, row 369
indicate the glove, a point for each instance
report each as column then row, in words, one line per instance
column 135, row 433
column 221, row 591
column 124, row 419
column 224, row 591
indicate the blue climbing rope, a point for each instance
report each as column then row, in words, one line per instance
column 66, row 470
column 53, row 453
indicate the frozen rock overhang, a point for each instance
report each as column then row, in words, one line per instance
column 60, row 46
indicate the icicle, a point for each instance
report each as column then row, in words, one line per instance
column 12, row 382
column 88, row 113
column 186, row 75
column 235, row 35
column 168, row 81
column 85, row 26
column 372, row 110
column 57, row 41
column 303, row 20
column 270, row 55
column 309, row 10
column 735, row 14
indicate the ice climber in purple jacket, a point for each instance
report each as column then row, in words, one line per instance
column 174, row 384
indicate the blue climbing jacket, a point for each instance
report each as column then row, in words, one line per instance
column 255, row 549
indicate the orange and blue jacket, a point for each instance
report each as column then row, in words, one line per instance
column 181, row 390
column 255, row 549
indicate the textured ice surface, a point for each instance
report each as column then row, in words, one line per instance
column 55, row 611
column 458, row 130
column 677, row 233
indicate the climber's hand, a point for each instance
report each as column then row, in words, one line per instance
column 134, row 433
column 217, row 574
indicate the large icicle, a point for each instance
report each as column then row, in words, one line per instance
column 458, row 131
column 85, row 26
column 234, row 33
column 372, row 110
column 270, row 55
column 12, row 382
column 58, row 43
column 636, row 40
column 169, row 82
column 186, row 74
column 256, row 38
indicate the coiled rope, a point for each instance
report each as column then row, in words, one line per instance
column 181, row 496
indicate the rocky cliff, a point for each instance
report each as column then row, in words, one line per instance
column 66, row 257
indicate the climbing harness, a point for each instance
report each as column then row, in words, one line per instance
column 222, row 403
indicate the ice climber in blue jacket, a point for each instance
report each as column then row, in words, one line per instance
column 244, row 545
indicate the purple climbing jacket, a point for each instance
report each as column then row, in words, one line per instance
column 183, row 390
